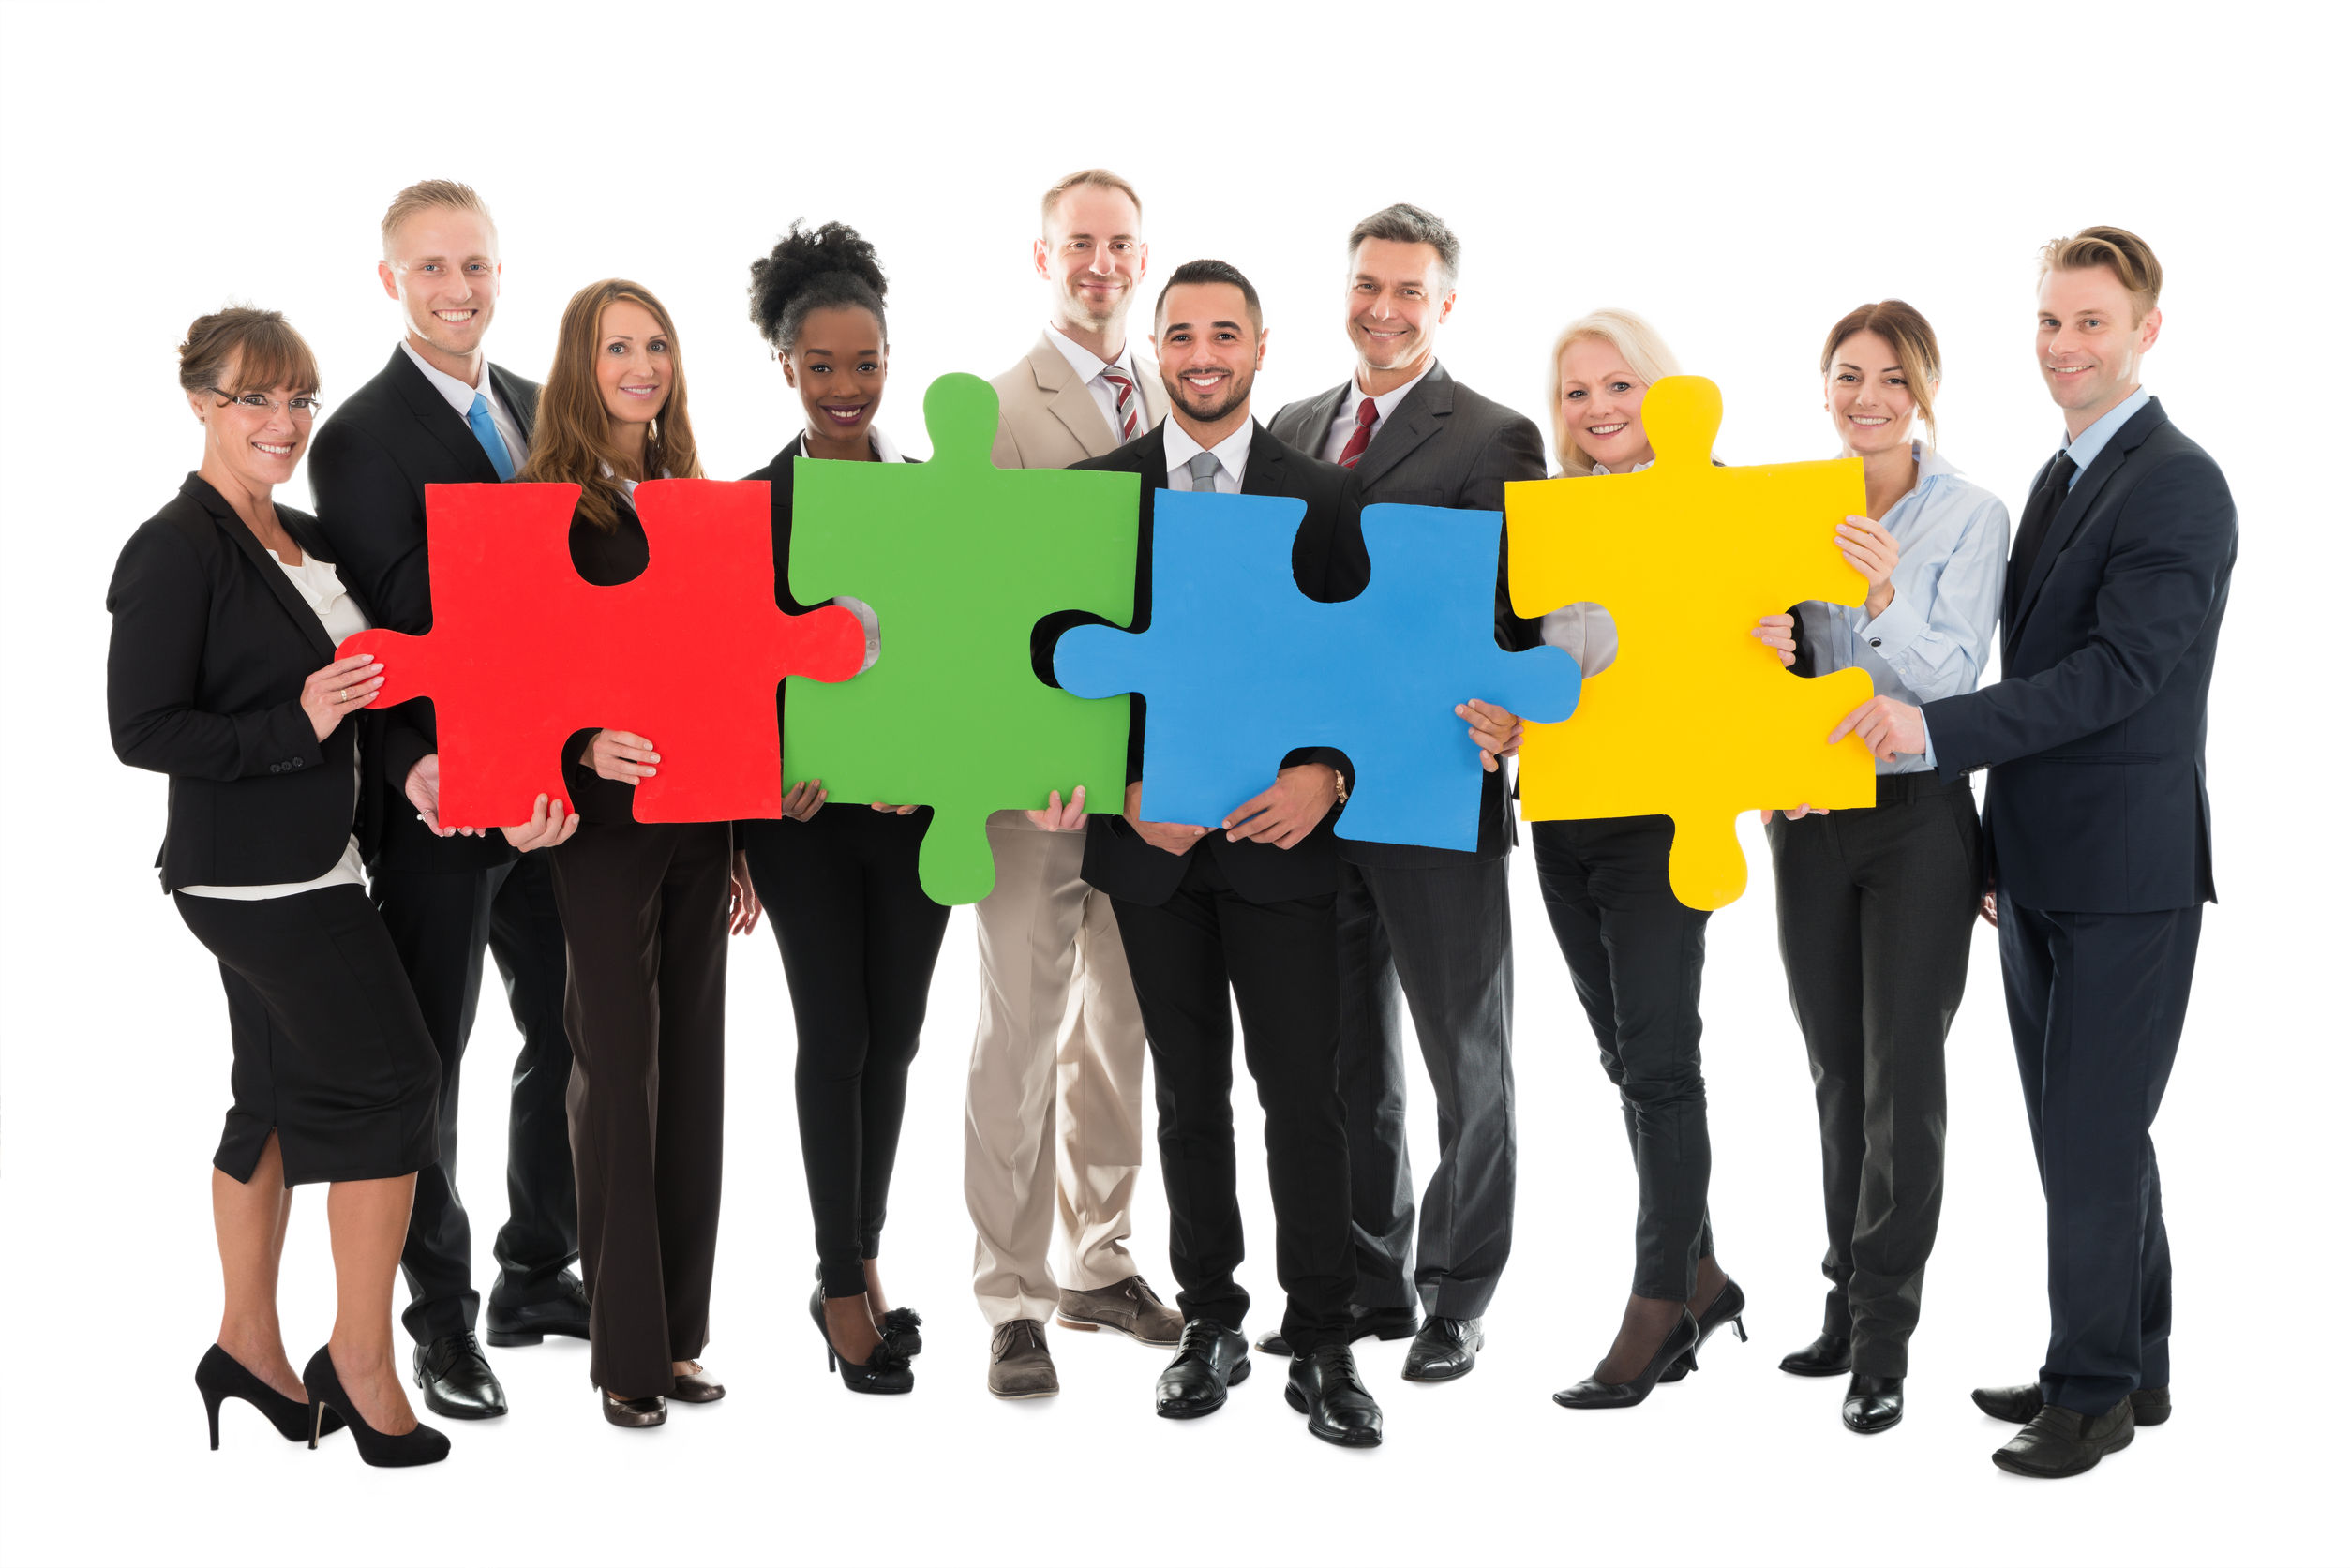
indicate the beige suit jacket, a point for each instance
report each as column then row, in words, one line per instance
column 1050, row 420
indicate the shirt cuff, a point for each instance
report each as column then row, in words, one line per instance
column 1892, row 632
column 1928, row 730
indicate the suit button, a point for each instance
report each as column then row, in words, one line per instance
column 296, row 763
column 276, row 766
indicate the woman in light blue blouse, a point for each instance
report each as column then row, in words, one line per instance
column 1877, row 905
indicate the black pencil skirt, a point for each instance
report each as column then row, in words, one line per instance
column 332, row 1053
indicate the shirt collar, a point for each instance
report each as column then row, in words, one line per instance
column 1232, row 452
column 456, row 393
column 884, row 449
column 1385, row 402
column 2083, row 448
column 1601, row 468
column 1083, row 360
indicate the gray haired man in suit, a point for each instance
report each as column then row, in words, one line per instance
column 1436, row 919
column 1053, row 1109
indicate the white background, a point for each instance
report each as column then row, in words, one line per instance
column 1743, row 177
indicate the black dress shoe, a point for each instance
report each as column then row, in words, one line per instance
column 563, row 1309
column 2061, row 1442
column 1208, row 1360
column 1444, row 1349
column 457, row 1379
column 1872, row 1404
column 1327, row 1390
column 1728, row 1305
column 1824, row 1357
column 1593, row 1395
column 2148, row 1406
column 1384, row 1323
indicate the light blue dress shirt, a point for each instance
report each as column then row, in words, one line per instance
column 1934, row 639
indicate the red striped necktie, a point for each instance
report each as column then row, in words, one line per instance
column 1129, row 406
column 1365, row 415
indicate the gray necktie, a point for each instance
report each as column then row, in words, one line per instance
column 1204, row 471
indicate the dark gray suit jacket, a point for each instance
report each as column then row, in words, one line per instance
column 1443, row 445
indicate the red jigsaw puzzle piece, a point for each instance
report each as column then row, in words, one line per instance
column 523, row 652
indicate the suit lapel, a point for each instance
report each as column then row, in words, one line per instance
column 1416, row 420
column 1268, row 474
column 442, row 422
column 1154, row 392
column 2074, row 509
column 280, row 585
column 1316, row 434
column 524, row 409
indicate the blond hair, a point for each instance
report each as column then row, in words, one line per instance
column 1630, row 336
column 1899, row 324
column 426, row 194
column 2130, row 259
column 1100, row 177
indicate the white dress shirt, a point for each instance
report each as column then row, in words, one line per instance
column 461, row 397
column 1586, row 632
column 1343, row 422
column 1089, row 366
column 1231, row 457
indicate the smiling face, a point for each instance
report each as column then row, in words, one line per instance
column 1208, row 350
column 1397, row 296
column 442, row 267
column 258, row 446
column 635, row 363
column 1601, row 397
column 839, row 365
column 1870, row 397
column 1093, row 255
column 2089, row 349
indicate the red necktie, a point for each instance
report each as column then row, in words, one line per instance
column 1129, row 414
column 1366, row 416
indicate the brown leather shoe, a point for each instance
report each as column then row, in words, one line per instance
column 1130, row 1307
column 1018, row 1364
column 698, row 1388
column 649, row 1411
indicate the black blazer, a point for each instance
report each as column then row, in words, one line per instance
column 1443, row 445
column 2094, row 734
column 1119, row 860
column 370, row 464
column 203, row 682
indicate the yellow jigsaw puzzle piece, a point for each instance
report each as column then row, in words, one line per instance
column 1696, row 719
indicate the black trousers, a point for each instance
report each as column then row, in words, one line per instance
column 1193, row 959
column 1443, row 933
column 330, row 1052
column 2097, row 1003
column 1637, row 957
column 1876, row 910
column 859, row 939
column 644, row 909
column 441, row 923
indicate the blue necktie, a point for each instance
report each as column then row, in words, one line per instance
column 485, row 432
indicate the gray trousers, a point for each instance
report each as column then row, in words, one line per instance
column 1876, row 910
column 1441, row 935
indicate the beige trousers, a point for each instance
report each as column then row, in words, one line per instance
column 1056, row 1079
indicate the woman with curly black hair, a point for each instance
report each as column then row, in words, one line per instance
column 858, row 936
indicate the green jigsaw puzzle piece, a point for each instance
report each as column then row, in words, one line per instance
column 960, row 559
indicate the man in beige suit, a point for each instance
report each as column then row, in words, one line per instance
column 1056, row 1071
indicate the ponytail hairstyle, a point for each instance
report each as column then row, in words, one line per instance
column 1898, row 322
column 572, row 443
column 826, row 267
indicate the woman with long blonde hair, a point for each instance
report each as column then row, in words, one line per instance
column 646, row 907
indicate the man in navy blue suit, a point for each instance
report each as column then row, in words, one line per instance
column 2098, row 831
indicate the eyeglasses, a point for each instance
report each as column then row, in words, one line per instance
column 300, row 406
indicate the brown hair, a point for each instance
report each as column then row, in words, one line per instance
column 572, row 443
column 2131, row 259
column 266, row 350
column 426, row 194
column 1915, row 351
column 1101, row 178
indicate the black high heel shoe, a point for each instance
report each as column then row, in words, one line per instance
column 425, row 1446
column 1728, row 1305
column 1593, row 1395
column 220, row 1376
column 885, row 1373
column 902, row 1326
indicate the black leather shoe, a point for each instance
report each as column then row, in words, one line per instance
column 1824, row 1357
column 1728, row 1305
column 1593, row 1395
column 2148, row 1406
column 2061, row 1442
column 1444, row 1349
column 1872, row 1404
column 1384, row 1323
column 1327, row 1390
column 562, row 1310
column 457, row 1379
column 1208, row 1360
column 649, row 1411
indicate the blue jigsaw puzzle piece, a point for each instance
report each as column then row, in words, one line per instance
column 1239, row 668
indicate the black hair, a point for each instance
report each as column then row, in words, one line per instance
column 1211, row 272
column 815, row 269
